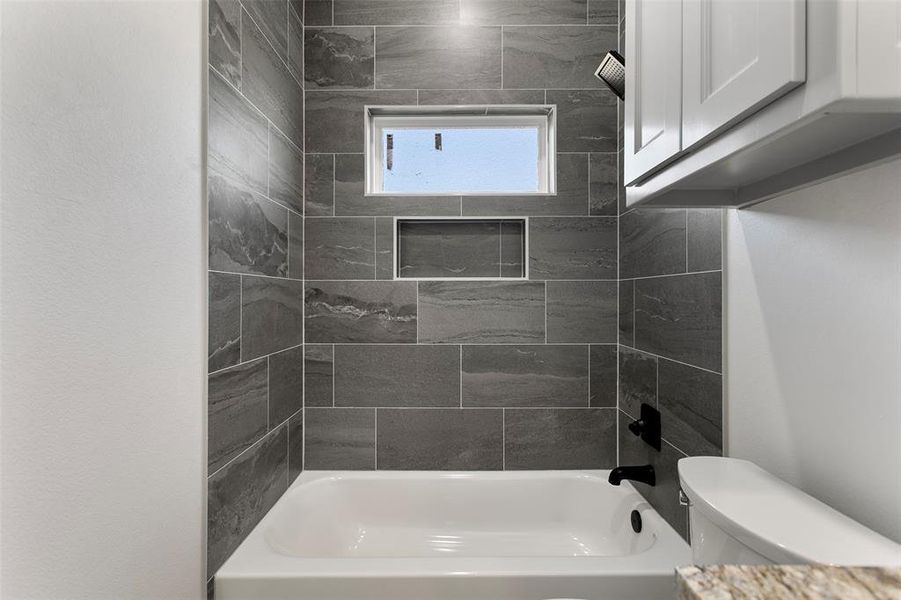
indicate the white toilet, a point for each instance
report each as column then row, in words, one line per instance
column 740, row 514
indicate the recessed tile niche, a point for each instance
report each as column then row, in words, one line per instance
column 460, row 248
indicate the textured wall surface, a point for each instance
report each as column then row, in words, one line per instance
column 814, row 393
column 102, row 357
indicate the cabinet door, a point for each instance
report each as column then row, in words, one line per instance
column 737, row 56
column 652, row 128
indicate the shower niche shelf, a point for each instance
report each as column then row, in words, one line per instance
column 461, row 248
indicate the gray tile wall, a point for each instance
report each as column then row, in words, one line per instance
column 670, row 336
column 319, row 360
column 460, row 374
column 256, row 239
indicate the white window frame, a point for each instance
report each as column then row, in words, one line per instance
column 377, row 118
column 395, row 257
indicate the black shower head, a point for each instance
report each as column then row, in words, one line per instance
column 613, row 72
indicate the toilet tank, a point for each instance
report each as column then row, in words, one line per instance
column 741, row 514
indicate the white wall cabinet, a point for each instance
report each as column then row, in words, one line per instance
column 772, row 95
column 652, row 126
column 737, row 56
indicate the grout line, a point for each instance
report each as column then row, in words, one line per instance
column 665, row 275
column 545, row 307
column 334, row 178
column 660, row 356
column 375, row 441
column 268, row 407
column 240, row 319
column 333, row 375
column 261, row 276
column 589, row 375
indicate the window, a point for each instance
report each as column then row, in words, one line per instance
column 496, row 150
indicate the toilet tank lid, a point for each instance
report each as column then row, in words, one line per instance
column 776, row 519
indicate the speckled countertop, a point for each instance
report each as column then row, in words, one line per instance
column 778, row 582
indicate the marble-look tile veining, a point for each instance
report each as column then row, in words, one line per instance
column 572, row 248
column 339, row 57
column 581, row 312
column 339, row 248
column 247, row 233
column 318, row 369
column 237, row 410
column 339, row 438
column 360, row 312
column 532, row 375
column 242, row 493
column 271, row 315
column 481, row 312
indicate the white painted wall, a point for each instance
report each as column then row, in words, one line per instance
column 813, row 335
column 102, row 300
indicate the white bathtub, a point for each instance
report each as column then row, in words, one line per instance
column 455, row 535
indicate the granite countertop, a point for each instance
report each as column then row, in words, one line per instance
column 777, row 582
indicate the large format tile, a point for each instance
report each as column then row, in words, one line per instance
column 271, row 315
column 339, row 57
column 586, row 120
column 555, row 56
column 268, row 83
column 318, row 370
column 397, row 375
column 384, row 248
column 438, row 58
column 637, row 381
column 271, row 16
column 566, row 438
column 339, row 438
column 652, row 242
column 582, row 312
column 285, row 171
column 295, row 446
column 523, row 12
column 242, row 493
column 237, row 399
column 317, row 12
column 480, row 97
column 691, row 408
column 681, row 318
column 604, row 183
column 335, row 117
column 603, row 375
column 247, row 233
column 319, row 185
column 534, row 375
column 295, row 40
column 350, row 198
column 705, row 239
column 224, row 320
column 440, row 439
column 481, row 312
column 339, row 248
column 627, row 312
column 361, row 312
column 225, row 39
column 572, row 248
column 437, row 249
column 664, row 496
column 603, row 12
column 237, row 137
column 571, row 197
column 295, row 246
column 396, row 12
column 285, row 384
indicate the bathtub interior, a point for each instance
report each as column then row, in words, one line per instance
column 406, row 515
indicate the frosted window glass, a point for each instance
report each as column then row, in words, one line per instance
column 474, row 160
